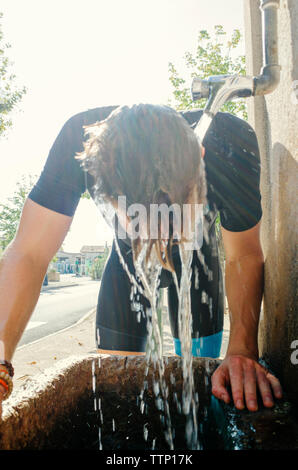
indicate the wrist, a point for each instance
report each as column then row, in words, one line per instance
column 6, row 384
column 242, row 343
column 241, row 349
column 8, row 366
column 244, row 353
column 6, row 374
column 2, row 391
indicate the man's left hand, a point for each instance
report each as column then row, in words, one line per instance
column 245, row 375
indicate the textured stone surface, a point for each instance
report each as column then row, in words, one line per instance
column 266, row 429
column 33, row 411
column 55, row 409
column 275, row 120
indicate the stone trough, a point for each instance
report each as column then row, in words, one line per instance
column 100, row 402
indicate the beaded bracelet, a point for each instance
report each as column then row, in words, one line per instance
column 5, row 377
column 8, row 366
column 4, row 384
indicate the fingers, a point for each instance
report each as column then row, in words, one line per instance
column 250, row 385
column 219, row 382
column 245, row 376
column 237, row 379
column 275, row 384
column 264, row 387
column 251, row 376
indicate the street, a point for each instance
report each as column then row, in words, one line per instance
column 59, row 308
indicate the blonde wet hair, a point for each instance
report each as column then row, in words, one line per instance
column 149, row 154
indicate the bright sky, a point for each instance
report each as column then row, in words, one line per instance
column 73, row 55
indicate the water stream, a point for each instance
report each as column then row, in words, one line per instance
column 203, row 125
column 189, row 396
column 148, row 274
column 146, row 283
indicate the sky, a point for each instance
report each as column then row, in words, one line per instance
column 73, row 55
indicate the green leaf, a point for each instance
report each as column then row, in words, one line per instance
column 212, row 56
column 11, row 210
column 10, row 95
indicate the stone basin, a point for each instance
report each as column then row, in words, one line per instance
column 95, row 402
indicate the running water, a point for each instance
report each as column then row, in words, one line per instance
column 149, row 275
column 203, row 125
column 189, row 396
column 146, row 282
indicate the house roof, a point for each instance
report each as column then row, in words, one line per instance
column 65, row 254
column 93, row 249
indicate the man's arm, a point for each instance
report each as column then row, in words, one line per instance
column 22, row 269
column 244, row 286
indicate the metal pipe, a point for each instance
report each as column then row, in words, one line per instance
column 269, row 78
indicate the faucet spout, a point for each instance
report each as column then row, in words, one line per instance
column 221, row 88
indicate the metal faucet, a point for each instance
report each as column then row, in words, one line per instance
column 222, row 88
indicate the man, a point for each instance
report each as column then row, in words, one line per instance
column 134, row 155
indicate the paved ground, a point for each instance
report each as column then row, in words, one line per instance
column 59, row 308
column 78, row 340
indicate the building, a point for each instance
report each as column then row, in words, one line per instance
column 80, row 262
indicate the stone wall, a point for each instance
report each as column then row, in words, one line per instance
column 275, row 120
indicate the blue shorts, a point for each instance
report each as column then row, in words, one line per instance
column 206, row 346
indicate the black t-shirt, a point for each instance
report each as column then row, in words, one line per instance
column 232, row 165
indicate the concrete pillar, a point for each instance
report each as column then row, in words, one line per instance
column 275, row 120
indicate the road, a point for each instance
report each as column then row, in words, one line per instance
column 59, row 308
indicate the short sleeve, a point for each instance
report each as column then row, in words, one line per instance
column 240, row 184
column 62, row 180
column 232, row 164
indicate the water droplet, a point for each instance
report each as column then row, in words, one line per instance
column 156, row 388
column 146, row 432
column 99, row 439
column 142, row 407
column 94, row 383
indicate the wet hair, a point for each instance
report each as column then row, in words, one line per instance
column 149, row 154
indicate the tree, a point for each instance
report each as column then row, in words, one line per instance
column 10, row 95
column 10, row 211
column 99, row 264
column 214, row 55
